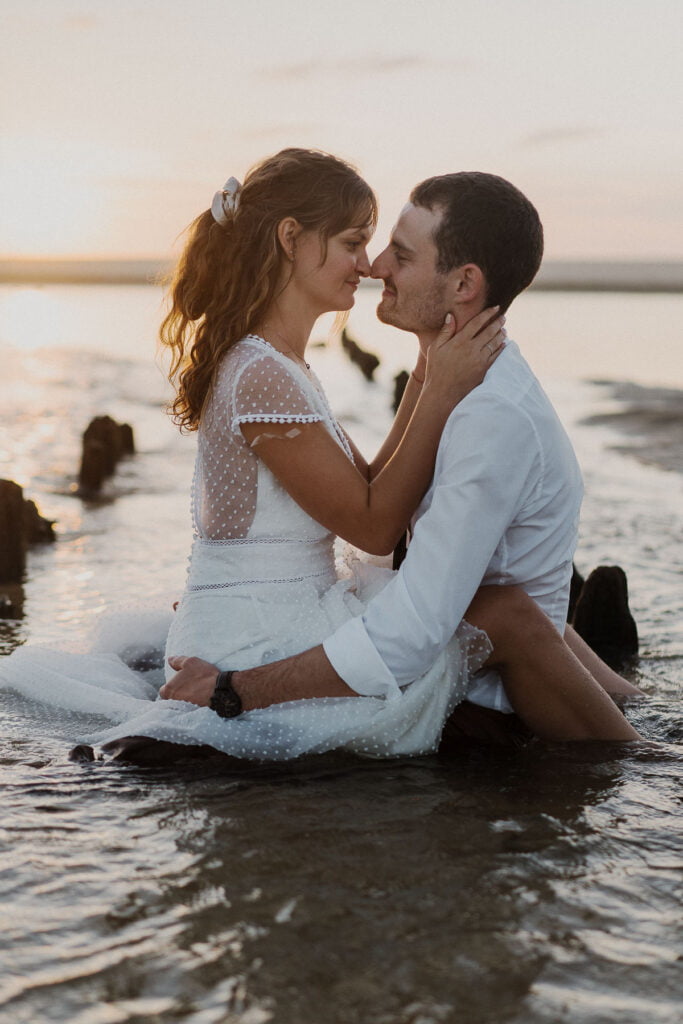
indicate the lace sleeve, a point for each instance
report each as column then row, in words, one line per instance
column 266, row 391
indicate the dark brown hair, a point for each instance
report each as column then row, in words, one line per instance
column 489, row 222
column 229, row 274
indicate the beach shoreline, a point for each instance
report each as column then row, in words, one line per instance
column 555, row 275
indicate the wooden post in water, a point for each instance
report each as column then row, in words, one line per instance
column 20, row 526
column 104, row 442
column 12, row 546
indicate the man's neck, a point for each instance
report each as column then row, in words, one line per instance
column 461, row 314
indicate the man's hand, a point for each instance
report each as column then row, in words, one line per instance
column 300, row 677
column 195, row 681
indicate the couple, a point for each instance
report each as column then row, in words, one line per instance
column 276, row 478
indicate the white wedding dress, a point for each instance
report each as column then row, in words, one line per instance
column 262, row 584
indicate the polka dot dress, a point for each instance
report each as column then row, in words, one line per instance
column 262, row 585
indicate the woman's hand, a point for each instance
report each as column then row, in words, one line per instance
column 456, row 363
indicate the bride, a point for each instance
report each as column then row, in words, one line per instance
column 276, row 478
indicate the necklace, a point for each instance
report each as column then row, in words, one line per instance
column 300, row 359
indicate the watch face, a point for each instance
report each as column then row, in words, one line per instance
column 226, row 703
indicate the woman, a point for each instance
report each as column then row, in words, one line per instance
column 276, row 478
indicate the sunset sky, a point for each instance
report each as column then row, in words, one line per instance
column 120, row 119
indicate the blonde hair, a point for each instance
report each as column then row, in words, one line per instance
column 228, row 275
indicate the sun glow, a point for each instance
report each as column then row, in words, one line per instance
column 31, row 319
column 49, row 206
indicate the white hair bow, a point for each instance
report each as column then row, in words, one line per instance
column 226, row 201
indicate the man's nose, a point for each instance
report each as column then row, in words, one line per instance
column 378, row 268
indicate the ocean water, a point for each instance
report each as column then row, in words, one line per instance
column 539, row 886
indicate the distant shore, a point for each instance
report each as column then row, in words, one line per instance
column 555, row 275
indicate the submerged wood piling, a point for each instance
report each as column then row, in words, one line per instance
column 105, row 442
column 21, row 526
column 367, row 362
column 603, row 618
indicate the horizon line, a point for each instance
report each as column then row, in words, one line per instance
column 555, row 274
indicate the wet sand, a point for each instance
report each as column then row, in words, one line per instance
column 649, row 418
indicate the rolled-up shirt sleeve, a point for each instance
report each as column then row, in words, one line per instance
column 487, row 468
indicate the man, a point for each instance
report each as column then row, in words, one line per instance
column 504, row 503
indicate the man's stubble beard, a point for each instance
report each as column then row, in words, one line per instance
column 424, row 314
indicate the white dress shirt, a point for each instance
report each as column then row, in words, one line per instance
column 503, row 508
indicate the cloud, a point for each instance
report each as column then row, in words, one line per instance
column 370, row 64
column 80, row 22
column 553, row 136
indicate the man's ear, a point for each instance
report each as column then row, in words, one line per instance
column 287, row 232
column 467, row 283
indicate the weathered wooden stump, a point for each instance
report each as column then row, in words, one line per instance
column 37, row 529
column 400, row 383
column 20, row 526
column 575, row 588
column 12, row 546
column 367, row 362
column 105, row 442
column 603, row 618
column 126, row 438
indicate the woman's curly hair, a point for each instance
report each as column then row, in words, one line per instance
column 229, row 274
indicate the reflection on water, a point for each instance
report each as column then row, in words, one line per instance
column 497, row 887
column 538, row 886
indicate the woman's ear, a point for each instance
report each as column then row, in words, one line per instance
column 287, row 232
column 468, row 283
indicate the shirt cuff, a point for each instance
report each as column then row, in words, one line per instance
column 354, row 657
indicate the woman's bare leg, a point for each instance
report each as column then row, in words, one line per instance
column 546, row 684
column 608, row 679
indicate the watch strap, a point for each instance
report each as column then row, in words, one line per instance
column 225, row 700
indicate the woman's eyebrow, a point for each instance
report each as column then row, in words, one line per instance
column 364, row 232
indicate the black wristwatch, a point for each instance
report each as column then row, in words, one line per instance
column 226, row 701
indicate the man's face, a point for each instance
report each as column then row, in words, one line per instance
column 415, row 294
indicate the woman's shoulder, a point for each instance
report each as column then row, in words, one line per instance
column 252, row 360
column 248, row 351
column 252, row 370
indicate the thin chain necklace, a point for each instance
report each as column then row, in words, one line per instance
column 271, row 330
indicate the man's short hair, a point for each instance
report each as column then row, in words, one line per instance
column 486, row 221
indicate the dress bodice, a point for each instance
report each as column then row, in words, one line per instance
column 235, row 496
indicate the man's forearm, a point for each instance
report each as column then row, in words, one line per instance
column 309, row 674
column 304, row 675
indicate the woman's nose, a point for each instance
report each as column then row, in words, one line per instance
column 363, row 264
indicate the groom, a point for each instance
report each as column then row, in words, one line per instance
column 504, row 502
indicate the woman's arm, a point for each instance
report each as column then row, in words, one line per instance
column 400, row 422
column 409, row 400
column 372, row 514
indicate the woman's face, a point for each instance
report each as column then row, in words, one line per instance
column 331, row 284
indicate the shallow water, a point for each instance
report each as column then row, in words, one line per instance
column 538, row 886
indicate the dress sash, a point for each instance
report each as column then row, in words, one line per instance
column 232, row 563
